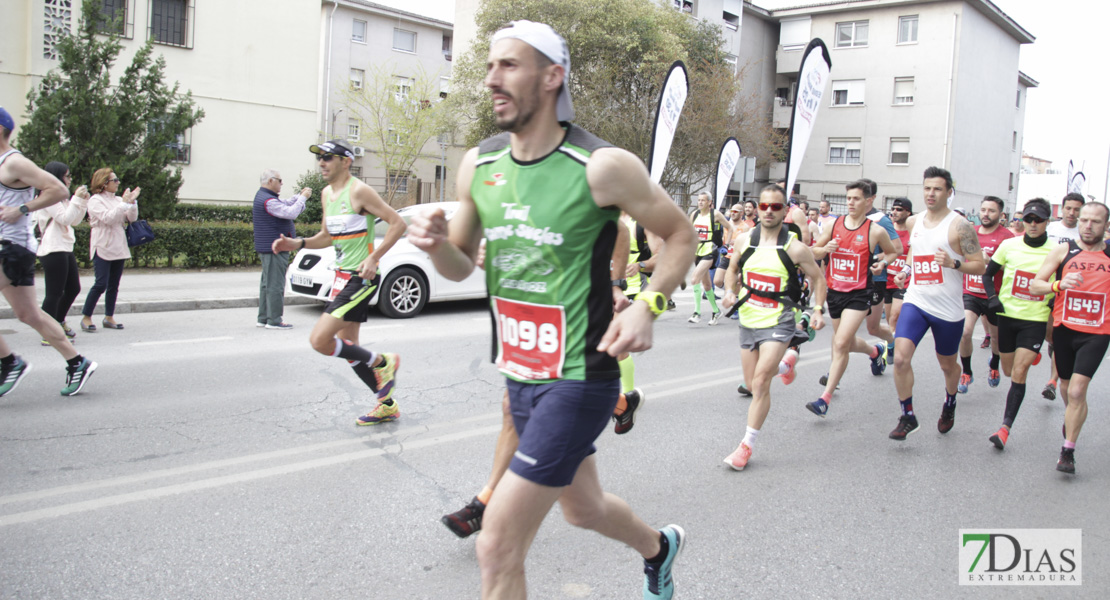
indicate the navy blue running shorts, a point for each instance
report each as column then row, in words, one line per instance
column 914, row 322
column 557, row 424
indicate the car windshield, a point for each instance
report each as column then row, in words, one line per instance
column 380, row 226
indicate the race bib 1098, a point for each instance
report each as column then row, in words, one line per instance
column 531, row 339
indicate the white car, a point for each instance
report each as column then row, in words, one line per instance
column 409, row 280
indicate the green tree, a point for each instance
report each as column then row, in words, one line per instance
column 314, row 208
column 620, row 52
column 397, row 115
column 135, row 126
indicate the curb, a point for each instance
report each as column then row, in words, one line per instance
column 147, row 306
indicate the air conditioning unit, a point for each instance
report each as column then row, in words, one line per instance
column 359, row 150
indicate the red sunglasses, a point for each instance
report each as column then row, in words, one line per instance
column 777, row 206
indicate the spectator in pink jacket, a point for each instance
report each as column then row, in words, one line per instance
column 59, row 265
column 108, row 214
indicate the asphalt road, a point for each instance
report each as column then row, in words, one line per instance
column 210, row 459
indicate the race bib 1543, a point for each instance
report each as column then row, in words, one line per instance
column 1084, row 308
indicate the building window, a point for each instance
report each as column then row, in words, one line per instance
column 398, row 181
column 358, row 31
column 405, row 41
column 844, row 151
column 396, row 137
column 731, row 21
column 731, row 60
column 356, row 172
column 1015, row 141
column 354, row 129
column 446, row 47
column 170, row 22
column 1011, row 182
column 183, row 147
column 1017, row 103
column 686, row 6
column 838, row 203
column 851, row 34
column 899, row 151
column 402, row 87
column 907, row 30
column 114, row 18
column 903, row 90
column 57, row 19
column 848, row 92
column 357, row 76
column 444, row 86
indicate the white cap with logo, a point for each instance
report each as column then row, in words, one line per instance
column 552, row 45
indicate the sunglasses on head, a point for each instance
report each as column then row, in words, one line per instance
column 1032, row 219
column 775, row 206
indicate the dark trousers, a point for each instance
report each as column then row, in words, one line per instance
column 108, row 273
column 62, row 283
column 271, row 290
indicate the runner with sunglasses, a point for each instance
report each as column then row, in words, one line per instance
column 1021, row 314
column 1081, row 327
column 350, row 207
column 900, row 211
column 991, row 234
column 768, row 314
column 943, row 248
column 848, row 244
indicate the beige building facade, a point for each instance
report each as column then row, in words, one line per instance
column 364, row 44
column 250, row 64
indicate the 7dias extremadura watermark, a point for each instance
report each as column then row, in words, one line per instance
column 1021, row 557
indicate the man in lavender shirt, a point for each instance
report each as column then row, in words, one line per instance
column 272, row 218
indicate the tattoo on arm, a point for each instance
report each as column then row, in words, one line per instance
column 969, row 240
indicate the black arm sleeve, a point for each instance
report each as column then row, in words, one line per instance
column 988, row 278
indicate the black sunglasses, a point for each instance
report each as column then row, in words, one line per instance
column 1033, row 219
column 328, row 157
column 114, row 180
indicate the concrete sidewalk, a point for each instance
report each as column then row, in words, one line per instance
column 170, row 291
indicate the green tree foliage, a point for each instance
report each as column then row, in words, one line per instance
column 620, row 52
column 398, row 115
column 314, row 208
column 135, row 126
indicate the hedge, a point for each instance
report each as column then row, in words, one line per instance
column 208, row 213
column 191, row 244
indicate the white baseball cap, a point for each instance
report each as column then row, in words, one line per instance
column 552, row 45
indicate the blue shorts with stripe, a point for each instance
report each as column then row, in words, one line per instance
column 557, row 424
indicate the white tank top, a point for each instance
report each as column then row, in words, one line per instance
column 20, row 232
column 934, row 289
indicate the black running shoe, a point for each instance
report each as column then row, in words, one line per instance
column 1066, row 464
column 947, row 419
column 467, row 519
column 1049, row 391
column 824, row 380
column 907, row 424
column 624, row 421
column 743, row 390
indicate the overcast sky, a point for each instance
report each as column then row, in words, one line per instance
column 1066, row 118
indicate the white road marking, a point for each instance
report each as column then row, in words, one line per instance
column 189, row 341
column 213, row 482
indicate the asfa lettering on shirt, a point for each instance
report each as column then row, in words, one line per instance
column 541, row 237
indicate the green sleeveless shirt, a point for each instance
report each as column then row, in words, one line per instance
column 548, row 249
column 763, row 271
column 351, row 233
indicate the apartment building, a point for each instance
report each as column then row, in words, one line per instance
column 367, row 44
column 250, row 64
column 914, row 83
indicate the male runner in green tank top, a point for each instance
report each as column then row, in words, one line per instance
column 767, row 325
column 350, row 207
column 546, row 196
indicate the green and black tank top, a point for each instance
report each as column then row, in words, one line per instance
column 548, row 249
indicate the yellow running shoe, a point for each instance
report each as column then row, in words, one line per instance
column 382, row 413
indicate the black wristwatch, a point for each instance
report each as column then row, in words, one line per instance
column 642, row 265
column 621, row 283
column 956, row 264
column 23, row 209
